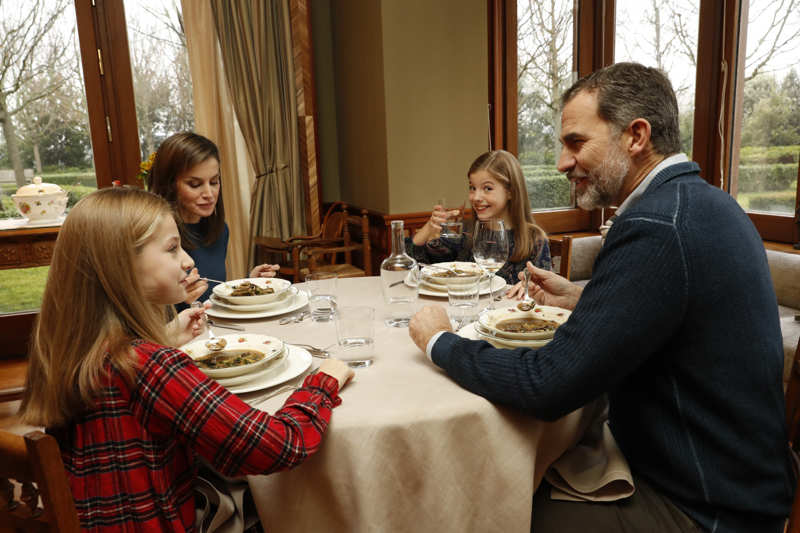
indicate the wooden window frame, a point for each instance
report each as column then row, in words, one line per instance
column 722, row 37
column 593, row 48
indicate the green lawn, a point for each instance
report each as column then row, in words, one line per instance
column 21, row 288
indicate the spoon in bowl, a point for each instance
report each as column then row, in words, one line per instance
column 527, row 303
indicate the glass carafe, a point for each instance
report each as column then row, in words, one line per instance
column 399, row 280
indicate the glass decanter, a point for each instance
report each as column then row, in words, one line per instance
column 399, row 280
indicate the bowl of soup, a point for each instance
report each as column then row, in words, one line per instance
column 252, row 291
column 511, row 323
column 442, row 275
column 242, row 354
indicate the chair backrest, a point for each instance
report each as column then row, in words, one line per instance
column 561, row 247
column 792, row 400
column 33, row 462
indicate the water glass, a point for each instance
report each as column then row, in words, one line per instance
column 451, row 229
column 355, row 332
column 463, row 299
column 322, row 299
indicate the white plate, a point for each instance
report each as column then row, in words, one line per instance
column 216, row 300
column 271, row 347
column 497, row 283
column 469, row 332
column 298, row 362
column 278, row 365
column 279, row 285
column 298, row 300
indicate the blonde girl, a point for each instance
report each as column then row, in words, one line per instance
column 496, row 191
column 132, row 414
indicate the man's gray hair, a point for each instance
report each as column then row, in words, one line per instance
column 626, row 91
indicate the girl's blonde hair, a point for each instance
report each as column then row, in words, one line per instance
column 92, row 305
column 505, row 168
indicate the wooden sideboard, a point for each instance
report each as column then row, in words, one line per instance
column 27, row 247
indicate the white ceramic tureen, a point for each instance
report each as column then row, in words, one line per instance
column 40, row 202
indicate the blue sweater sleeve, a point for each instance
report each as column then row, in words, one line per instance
column 632, row 305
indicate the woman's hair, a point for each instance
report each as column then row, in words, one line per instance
column 504, row 167
column 92, row 305
column 177, row 154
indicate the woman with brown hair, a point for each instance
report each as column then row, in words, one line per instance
column 186, row 173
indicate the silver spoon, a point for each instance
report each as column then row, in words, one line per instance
column 213, row 343
column 527, row 303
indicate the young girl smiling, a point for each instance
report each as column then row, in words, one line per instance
column 496, row 191
column 131, row 413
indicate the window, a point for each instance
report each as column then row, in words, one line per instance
column 544, row 71
column 663, row 35
column 46, row 129
column 743, row 128
column 769, row 131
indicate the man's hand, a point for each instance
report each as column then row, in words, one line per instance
column 430, row 320
column 548, row 288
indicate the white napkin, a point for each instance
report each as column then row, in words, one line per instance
column 594, row 469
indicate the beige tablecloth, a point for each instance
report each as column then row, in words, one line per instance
column 408, row 449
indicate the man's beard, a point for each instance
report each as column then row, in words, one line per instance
column 605, row 180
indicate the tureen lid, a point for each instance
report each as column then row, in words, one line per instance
column 37, row 188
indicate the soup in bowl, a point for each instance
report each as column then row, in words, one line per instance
column 511, row 323
column 251, row 291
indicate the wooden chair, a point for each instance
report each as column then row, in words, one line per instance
column 792, row 400
column 34, row 461
column 305, row 253
column 561, row 247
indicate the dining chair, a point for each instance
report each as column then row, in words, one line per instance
column 792, row 402
column 30, row 468
column 301, row 254
column 561, row 247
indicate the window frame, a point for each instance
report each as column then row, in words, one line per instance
column 721, row 41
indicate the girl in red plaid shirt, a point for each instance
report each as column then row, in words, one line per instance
column 132, row 414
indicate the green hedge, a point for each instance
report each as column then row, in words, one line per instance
column 87, row 179
column 774, row 201
column 776, row 177
column 546, row 186
column 753, row 155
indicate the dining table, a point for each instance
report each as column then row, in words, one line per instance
column 408, row 449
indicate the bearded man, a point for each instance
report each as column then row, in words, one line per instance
column 678, row 326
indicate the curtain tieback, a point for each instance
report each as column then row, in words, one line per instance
column 274, row 171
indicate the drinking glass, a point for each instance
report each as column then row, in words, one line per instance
column 355, row 333
column 322, row 299
column 453, row 226
column 463, row 299
column 490, row 249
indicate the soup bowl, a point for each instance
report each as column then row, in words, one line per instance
column 265, row 290
column 231, row 361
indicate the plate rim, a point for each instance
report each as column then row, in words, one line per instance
column 248, row 308
column 443, row 294
column 300, row 301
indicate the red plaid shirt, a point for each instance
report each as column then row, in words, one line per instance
column 132, row 458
